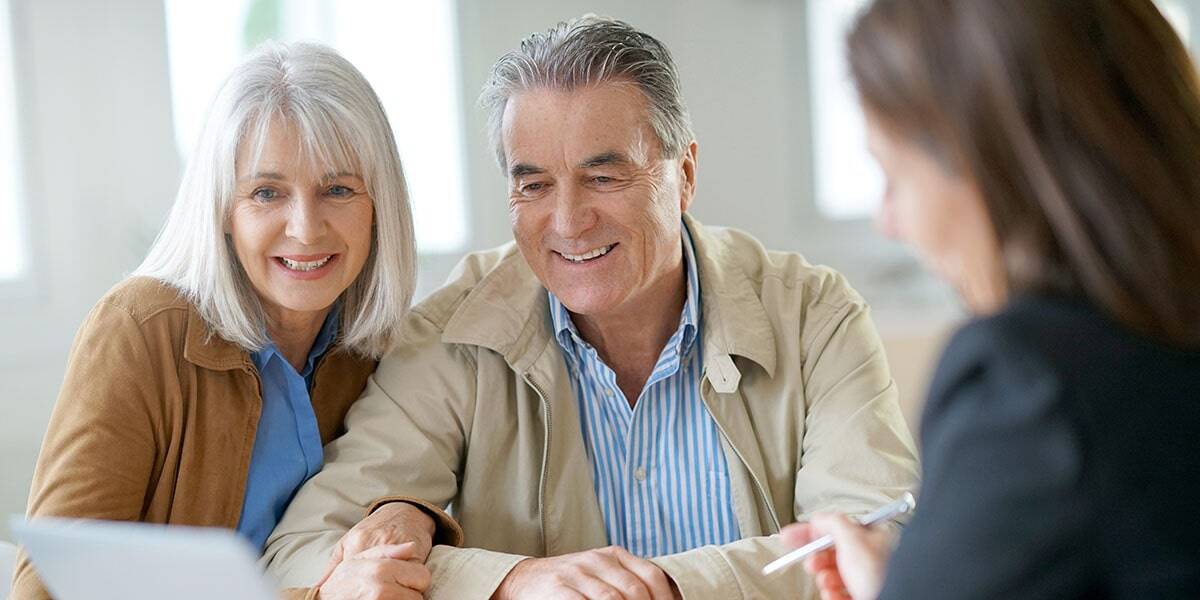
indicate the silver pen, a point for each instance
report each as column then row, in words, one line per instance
column 905, row 504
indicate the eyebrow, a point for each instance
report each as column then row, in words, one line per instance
column 264, row 175
column 522, row 169
column 607, row 158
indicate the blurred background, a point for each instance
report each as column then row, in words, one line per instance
column 100, row 103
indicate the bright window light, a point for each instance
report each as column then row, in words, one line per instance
column 848, row 182
column 1177, row 14
column 12, row 242
column 407, row 50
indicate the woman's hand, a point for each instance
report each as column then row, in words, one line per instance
column 854, row 568
column 391, row 524
column 388, row 572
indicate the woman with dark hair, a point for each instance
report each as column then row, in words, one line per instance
column 1043, row 157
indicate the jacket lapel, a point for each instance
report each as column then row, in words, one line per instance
column 738, row 336
column 508, row 312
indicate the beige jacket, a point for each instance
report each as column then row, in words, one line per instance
column 475, row 410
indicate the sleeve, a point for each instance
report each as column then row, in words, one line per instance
column 101, row 446
column 404, row 441
column 1003, row 513
column 856, row 454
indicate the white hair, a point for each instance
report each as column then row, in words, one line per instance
column 587, row 51
column 342, row 127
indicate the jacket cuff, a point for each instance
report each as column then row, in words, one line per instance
column 467, row 573
column 700, row 574
column 299, row 594
column 447, row 533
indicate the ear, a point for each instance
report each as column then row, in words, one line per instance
column 687, row 176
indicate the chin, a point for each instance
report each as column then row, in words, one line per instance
column 587, row 303
column 304, row 302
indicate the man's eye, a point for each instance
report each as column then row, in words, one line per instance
column 533, row 187
column 264, row 194
column 602, row 179
column 340, row 191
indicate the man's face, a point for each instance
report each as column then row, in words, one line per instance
column 595, row 207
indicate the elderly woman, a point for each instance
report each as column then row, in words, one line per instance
column 201, row 390
column 1042, row 156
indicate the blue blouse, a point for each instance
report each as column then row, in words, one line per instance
column 287, row 446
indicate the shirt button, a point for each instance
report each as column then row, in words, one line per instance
column 608, row 393
column 639, row 473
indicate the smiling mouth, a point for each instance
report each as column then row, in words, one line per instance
column 304, row 266
column 587, row 256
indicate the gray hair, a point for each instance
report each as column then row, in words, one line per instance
column 587, row 51
column 342, row 127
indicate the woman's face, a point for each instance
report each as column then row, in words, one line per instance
column 301, row 236
column 941, row 215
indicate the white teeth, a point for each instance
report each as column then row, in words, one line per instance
column 587, row 255
column 305, row 266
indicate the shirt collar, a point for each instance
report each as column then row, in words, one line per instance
column 325, row 338
column 689, row 319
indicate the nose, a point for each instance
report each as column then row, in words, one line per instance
column 305, row 222
column 572, row 214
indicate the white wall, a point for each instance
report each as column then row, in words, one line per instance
column 102, row 167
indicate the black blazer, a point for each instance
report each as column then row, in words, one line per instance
column 1061, row 459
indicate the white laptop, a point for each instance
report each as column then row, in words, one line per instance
column 80, row 559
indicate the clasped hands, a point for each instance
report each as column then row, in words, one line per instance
column 383, row 557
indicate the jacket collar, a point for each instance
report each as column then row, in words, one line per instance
column 508, row 311
column 208, row 350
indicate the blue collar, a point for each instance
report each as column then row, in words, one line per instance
column 325, row 338
column 689, row 320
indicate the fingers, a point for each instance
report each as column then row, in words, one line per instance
column 408, row 574
column 403, row 551
column 335, row 559
column 377, row 573
column 830, row 579
column 597, row 588
column 798, row 534
column 651, row 576
column 825, row 559
column 609, row 569
column 840, row 527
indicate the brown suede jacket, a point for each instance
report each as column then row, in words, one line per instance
column 156, row 418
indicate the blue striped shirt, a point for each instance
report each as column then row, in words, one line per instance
column 658, row 469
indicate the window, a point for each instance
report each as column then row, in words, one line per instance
column 848, row 183
column 13, row 256
column 1178, row 13
column 407, row 50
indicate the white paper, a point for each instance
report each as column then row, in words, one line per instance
column 100, row 560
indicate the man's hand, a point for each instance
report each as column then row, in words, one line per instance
column 389, row 572
column 609, row 573
column 391, row 524
column 854, row 568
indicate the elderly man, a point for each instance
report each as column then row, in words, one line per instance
column 623, row 404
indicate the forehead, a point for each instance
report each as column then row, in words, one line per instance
column 544, row 126
column 282, row 144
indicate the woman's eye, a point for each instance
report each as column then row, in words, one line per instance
column 340, row 191
column 264, row 194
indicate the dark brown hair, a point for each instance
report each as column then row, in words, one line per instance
column 1079, row 120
